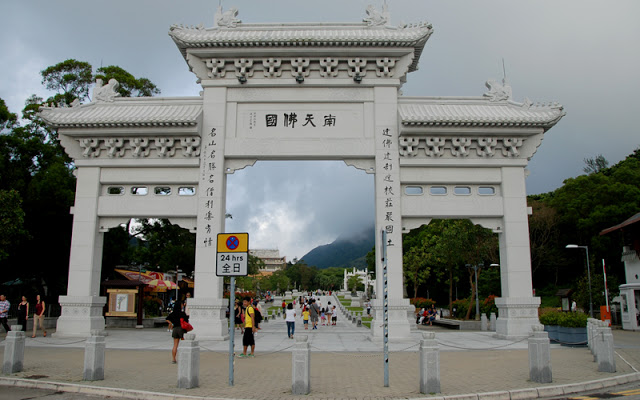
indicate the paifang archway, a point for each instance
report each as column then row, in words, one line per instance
column 301, row 91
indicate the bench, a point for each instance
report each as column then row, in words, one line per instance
column 447, row 323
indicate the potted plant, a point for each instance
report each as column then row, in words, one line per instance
column 572, row 329
column 550, row 321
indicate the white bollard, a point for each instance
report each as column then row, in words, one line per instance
column 492, row 322
column 429, row 364
column 605, row 349
column 13, row 350
column 188, row 362
column 94, row 352
column 301, row 366
column 539, row 356
column 483, row 322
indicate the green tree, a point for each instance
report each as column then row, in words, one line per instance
column 7, row 118
column 70, row 78
column 130, row 86
column 11, row 222
column 416, row 266
column 595, row 164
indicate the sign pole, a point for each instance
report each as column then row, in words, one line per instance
column 385, row 309
column 232, row 325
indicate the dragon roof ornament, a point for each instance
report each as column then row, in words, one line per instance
column 375, row 17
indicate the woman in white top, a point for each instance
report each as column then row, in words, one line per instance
column 290, row 318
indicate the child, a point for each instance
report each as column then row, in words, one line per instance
column 305, row 318
column 323, row 317
column 334, row 315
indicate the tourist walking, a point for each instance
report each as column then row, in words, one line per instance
column 314, row 313
column 177, row 333
column 290, row 318
column 334, row 316
column 237, row 312
column 249, row 328
column 305, row 318
column 4, row 312
column 23, row 313
column 38, row 316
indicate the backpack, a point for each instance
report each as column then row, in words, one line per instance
column 257, row 315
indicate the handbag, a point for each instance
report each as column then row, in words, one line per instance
column 187, row 327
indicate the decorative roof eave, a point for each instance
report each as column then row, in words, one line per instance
column 127, row 113
column 302, row 35
column 472, row 112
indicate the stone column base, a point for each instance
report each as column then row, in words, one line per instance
column 516, row 315
column 399, row 328
column 80, row 315
column 207, row 315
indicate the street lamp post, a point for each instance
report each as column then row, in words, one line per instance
column 586, row 249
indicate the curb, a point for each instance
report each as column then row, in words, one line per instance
column 516, row 394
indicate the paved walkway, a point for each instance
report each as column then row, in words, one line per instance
column 345, row 364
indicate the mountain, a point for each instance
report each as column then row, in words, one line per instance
column 347, row 251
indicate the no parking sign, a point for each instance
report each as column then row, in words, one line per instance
column 232, row 256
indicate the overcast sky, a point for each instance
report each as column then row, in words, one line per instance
column 582, row 54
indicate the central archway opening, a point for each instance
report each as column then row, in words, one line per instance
column 319, row 212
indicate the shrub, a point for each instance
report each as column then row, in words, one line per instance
column 488, row 306
column 421, row 302
column 565, row 319
column 152, row 306
column 461, row 306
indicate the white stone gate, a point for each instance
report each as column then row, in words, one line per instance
column 290, row 92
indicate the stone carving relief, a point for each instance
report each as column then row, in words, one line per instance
column 497, row 92
column 244, row 68
column 107, row 92
column 325, row 67
column 329, row 67
column 139, row 147
column 375, row 17
column 272, row 67
column 226, row 19
column 217, row 68
column 385, row 67
column 460, row 146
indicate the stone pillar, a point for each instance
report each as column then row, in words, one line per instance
column 518, row 309
column 605, row 350
column 82, row 307
column 301, row 366
column 492, row 322
column 207, row 307
column 188, row 362
column 429, row 364
column 13, row 351
column 94, row 355
column 388, row 216
column 483, row 322
column 539, row 356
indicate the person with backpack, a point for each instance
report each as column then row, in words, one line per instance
column 257, row 308
column 249, row 328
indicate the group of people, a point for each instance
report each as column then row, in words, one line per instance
column 23, row 314
column 427, row 316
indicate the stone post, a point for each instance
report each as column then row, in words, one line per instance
column 429, row 364
column 493, row 320
column 188, row 362
column 359, row 321
column 301, row 366
column 13, row 351
column 483, row 322
column 591, row 327
column 539, row 356
column 354, row 318
column 605, row 351
column 94, row 352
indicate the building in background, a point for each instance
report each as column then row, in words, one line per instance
column 271, row 258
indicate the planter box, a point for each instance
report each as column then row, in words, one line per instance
column 552, row 330
column 572, row 337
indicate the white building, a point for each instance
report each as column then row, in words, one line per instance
column 271, row 258
column 630, row 291
column 296, row 91
column 363, row 276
